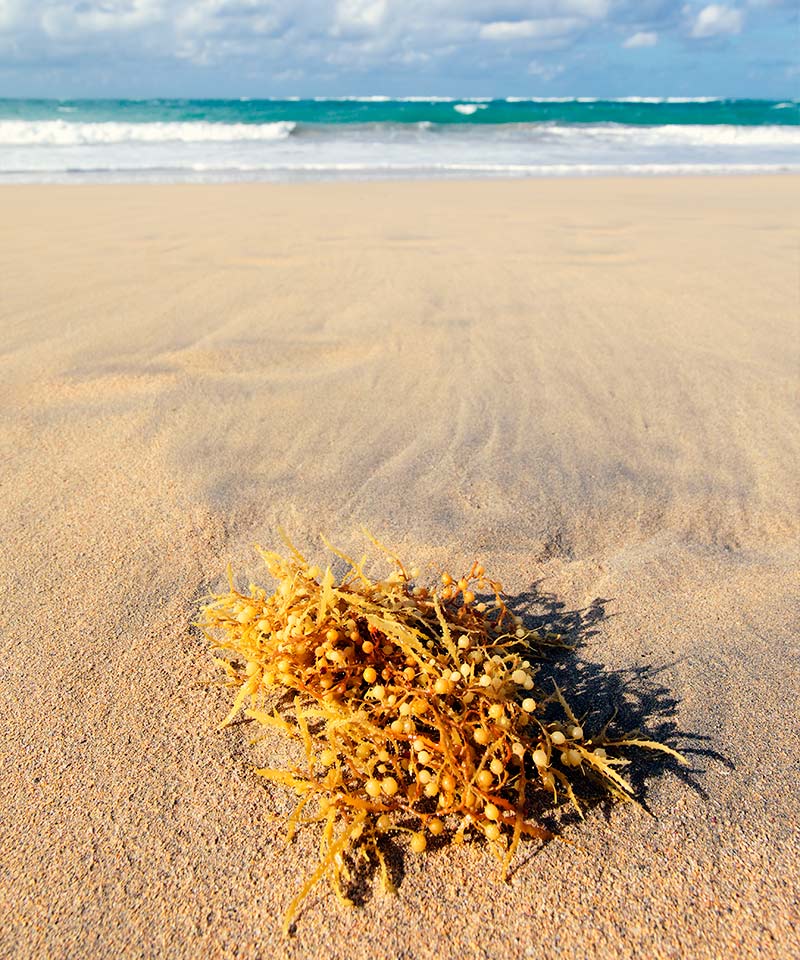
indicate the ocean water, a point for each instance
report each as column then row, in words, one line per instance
column 78, row 141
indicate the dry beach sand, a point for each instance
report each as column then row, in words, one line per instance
column 589, row 385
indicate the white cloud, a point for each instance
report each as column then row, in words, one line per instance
column 410, row 58
column 113, row 16
column 10, row 12
column 529, row 29
column 225, row 17
column 642, row 39
column 717, row 20
column 361, row 14
column 546, row 71
column 591, row 9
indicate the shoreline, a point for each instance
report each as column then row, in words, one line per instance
column 741, row 170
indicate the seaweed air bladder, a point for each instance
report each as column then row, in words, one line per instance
column 415, row 709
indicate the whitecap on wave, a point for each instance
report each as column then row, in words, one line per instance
column 64, row 133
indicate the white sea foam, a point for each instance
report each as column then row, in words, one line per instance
column 469, row 108
column 205, row 173
column 383, row 99
column 687, row 135
column 64, row 133
column 377, row 98
column 538, row 100
column 668, row 100
column 63, row 151
column 513, row 169
column 615, row 100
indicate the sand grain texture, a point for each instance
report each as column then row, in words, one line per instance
column 590, row 385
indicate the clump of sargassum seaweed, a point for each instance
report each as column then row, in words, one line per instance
column 417, row 709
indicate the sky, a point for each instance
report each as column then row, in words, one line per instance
column 462, row 48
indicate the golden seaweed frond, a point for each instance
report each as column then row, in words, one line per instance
column 416, row 708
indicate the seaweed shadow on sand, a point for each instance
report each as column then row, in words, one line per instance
column 630, row 700
column 430, row 715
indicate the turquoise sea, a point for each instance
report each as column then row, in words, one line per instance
column 167, row 140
